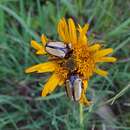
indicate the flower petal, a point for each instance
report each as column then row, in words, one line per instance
column 63, row 30
column 40, row 68
column 82, row 39
column 84, row 100
column 106, row 59
column 101, row 72
column 95, row 47
column 66, row 32
column 35, row 45
column 85, row 84
column 61, row 82
column 40, row 52
column 72, row 31
column 51, row 84
column 85, row 28
column 39, row 48
column 44, row 39
column 103, row 52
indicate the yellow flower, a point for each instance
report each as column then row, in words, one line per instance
column 84, row 58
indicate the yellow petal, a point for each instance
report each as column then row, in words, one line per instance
column 63, row 30
column 61, row 82
column 79, row 28
column 35, row 45
column 82, row 39
column 72, row 31
column 39, row 48
column 50, row 85
column 95, row 47
column 40, row 68
column 101, row 72
column 40, row 52
column 85, row 28
column 106, row 59
column 44, row 39
column 66, row 32
column 85, row 84
column 60, row 28
column 83, row 100
column 104, row 52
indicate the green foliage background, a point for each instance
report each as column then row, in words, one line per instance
column 21, row 107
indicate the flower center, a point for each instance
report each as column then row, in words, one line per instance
column 85, row 62
column 80, row 61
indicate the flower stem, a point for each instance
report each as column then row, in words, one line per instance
column 81, row 116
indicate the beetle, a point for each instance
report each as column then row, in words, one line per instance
column 74, row 87
column 58, row 49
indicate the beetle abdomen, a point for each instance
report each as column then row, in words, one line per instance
column 74, row 87
column 77, row 89
column 58, row 49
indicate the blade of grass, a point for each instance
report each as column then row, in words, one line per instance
column 21, row 21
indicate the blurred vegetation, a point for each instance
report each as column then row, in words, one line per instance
column 21, row 107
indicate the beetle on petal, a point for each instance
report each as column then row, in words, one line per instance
column 74, row 87
column 58, row 49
